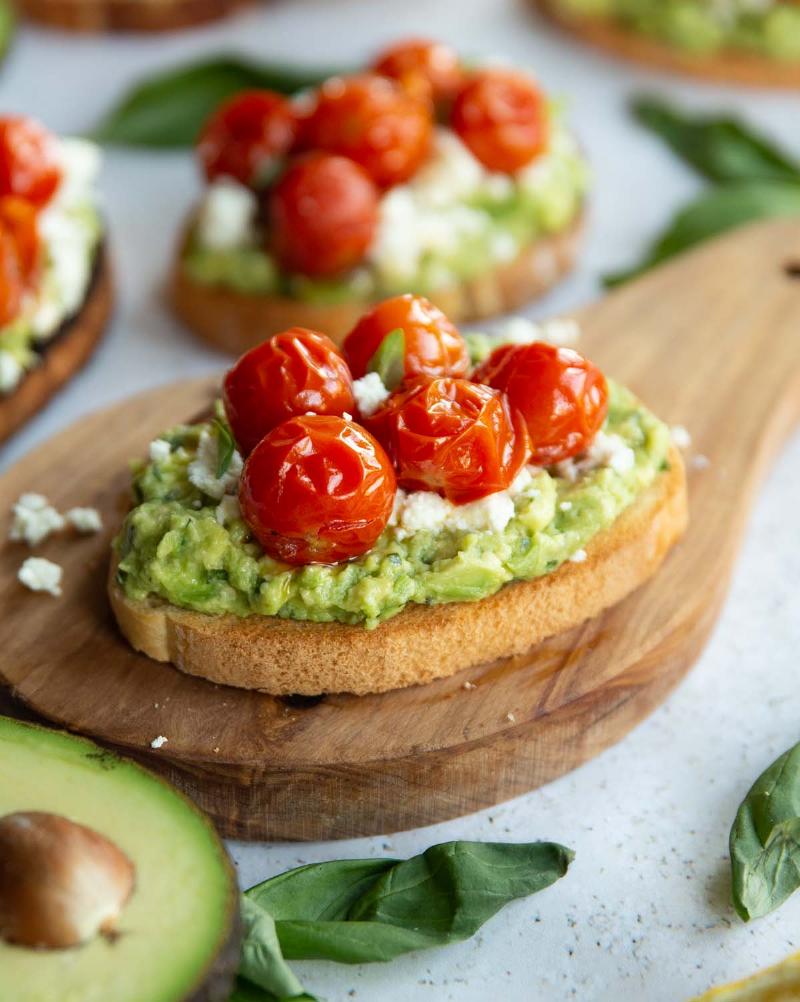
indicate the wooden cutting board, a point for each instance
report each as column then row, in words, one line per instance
column 711, row 341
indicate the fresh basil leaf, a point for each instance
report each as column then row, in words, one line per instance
column 765, row 839
column 713, row 213
column 167, row 111
column 225, row 448
column 721, row 149
column 358, row 911
column 261, row 962
column 389, row 360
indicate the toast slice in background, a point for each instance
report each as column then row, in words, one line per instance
column 126, row 15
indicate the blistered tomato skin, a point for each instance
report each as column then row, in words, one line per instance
column 19, row 218
column 373, row 121
column 424, row 68
column 452, row 436
column 323, row 214
column 501, row 116
column 29, row 163
column 247, row 137
column 12, row 286
column 290, row 374
column 317, row 489
column 562, row 396
column 433, row 345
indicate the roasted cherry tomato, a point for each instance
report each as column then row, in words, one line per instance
column 29, row 166
column 19, row 218
column 323, row 213
column 290, row 374
column 502, row 117
column 562, row 396
column 425, row 69
column 452, row 436
column 247, row 136
column 317, row 489
column 12, row 286
column 372, row 120
column 433, row 346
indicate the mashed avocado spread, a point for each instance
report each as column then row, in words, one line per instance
column 450, row 222
column 191, row 549
column 769, row 28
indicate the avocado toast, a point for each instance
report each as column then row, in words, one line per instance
column 56, row 281
column 472, row 194
column 739, row 42
column 509, row 524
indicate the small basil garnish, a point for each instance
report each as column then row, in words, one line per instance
column 765, row 839
column 389, row 361
column 225, row 448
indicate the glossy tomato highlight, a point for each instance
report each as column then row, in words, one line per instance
column 433, row 345
column 317, row 489
column 424, row 68
column 562, row 396
column 292, row 373
column 247, row 136
column 324, row 214
column 29, row 162
column 453, row 436
column 374, row 122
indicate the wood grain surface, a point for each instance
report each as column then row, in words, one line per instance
column 711, row 341
column 729, row 66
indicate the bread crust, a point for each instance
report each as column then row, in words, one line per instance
column 127, row 15
column 66, row 353
column 286, row 657
column 234, row 321
column 730, row 66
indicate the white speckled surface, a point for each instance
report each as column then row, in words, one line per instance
column 644, row 913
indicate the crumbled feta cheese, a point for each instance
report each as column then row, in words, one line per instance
column 511, row 718
column 422, row 511
column 34, row 519
column 202, row 471
column 469, row 686
column 578, row 557
column 80, row 163
column 565, row 506
column 158, row 742
column 562, row 332
column 606, row 450
column 39, row 574
column 68, row 243
column 680, row 436
column 160, row 450
column 228, row 510
column 85, row 520
column 369, row 393
column 227, row 216
column 10, row 372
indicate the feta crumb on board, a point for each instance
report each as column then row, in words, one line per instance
column 680, row 436
column 34, row 519
column 43, row 575
column 85, row 520
column 369, row 393
column 158, row 742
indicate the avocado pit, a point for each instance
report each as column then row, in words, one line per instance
column 61, row 883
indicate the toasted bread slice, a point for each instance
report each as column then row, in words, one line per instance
column 422, row 643
column 234, row 321
column 64, row 354
column 126, row 15
column 730, row 66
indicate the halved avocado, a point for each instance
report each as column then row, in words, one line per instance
column 175, row 938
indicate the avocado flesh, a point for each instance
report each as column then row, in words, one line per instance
column 180, row 915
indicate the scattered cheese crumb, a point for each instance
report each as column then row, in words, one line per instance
column 216, row 750
column 160, row 450
column 85, row 520
column 469, row 685
column 34, row 519
column 226, row 220
column 158, row 742
column 39, row 574
column 680, row 436
column 202, row 471
column 578, row 557
column 369, row 393
column 700, row 462
column 228, row 510
column 511, row 718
